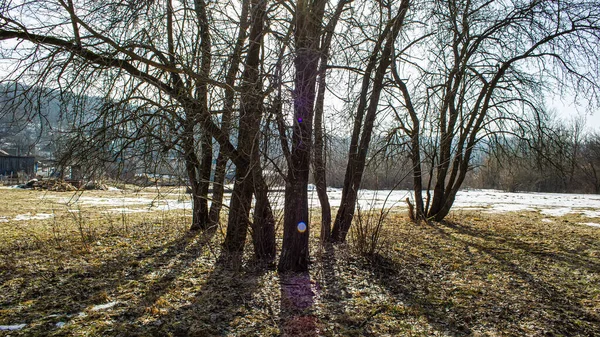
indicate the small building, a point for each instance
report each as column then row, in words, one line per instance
column 12, row 165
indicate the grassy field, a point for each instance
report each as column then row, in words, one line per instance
column 82, row 270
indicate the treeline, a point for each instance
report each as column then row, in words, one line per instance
column 558, row 158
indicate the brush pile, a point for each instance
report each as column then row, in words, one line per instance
column 55, row 185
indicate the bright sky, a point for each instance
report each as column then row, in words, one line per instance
column 568, row 111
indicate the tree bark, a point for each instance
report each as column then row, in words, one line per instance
column 192, row 165
column 249, row 175
column 222, row 158
column 358, row 154
column 296, row 226
column 320, row 172
column 263, row 229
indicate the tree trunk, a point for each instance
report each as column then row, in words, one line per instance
column 222, row 159
column 296, row 227
column 239, row 210
column 198, row 169
column 319, row 173
column 263, row 229
column 415, row 152
column 192, row 165
column 216, row 205
column 251, row 108
column 358, row 154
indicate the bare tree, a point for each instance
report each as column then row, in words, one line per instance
column 249, row 175
column 227, row 115
column 488, row 64
column 157, row 54
column 319, row 164
column 590, row 162
column 308, row 16
column 368, row 106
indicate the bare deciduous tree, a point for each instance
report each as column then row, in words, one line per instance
column 487, row 64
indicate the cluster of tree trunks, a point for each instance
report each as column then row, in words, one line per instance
column 169, row 73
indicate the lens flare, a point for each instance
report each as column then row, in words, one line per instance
column 300, row 119
column 301, row 227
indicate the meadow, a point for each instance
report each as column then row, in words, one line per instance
column 122, row 263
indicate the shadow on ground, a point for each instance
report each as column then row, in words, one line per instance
column 469, row 281
column 450, row 278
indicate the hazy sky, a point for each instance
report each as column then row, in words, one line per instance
column 568, row 110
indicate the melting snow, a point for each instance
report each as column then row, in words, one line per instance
column 28, row 216
column 12, row 327
column 591, row 214
column 104, row 306
column 127, row 210
column 551, row 204
column 557, row 211
column 117, row 201
column 593, row 224
column 124, row 204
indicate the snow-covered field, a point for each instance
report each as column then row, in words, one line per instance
column 550, row 204
column 553, row 204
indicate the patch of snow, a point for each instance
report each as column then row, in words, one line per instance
column 28, row 216
column 546, row 220
column 60, row 324
column 502, row 208
column 103, row 201
column 127, row 210
column 593, row 224
column 12, row 327
column 104, row 306
column 557, row 211
column 124, row 204
column 552, row 204
column 111, row 188
column 591, row 214
column 170, row 205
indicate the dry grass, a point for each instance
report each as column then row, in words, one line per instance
column 476, row 274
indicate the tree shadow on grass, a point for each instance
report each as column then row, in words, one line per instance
column 571, row 258
column 297, row 303
column 214, row 308
column 332, row 287
column 517, row 303
column 67, row 295
column 552, row 296
column 174, row 262
column 339, row 282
